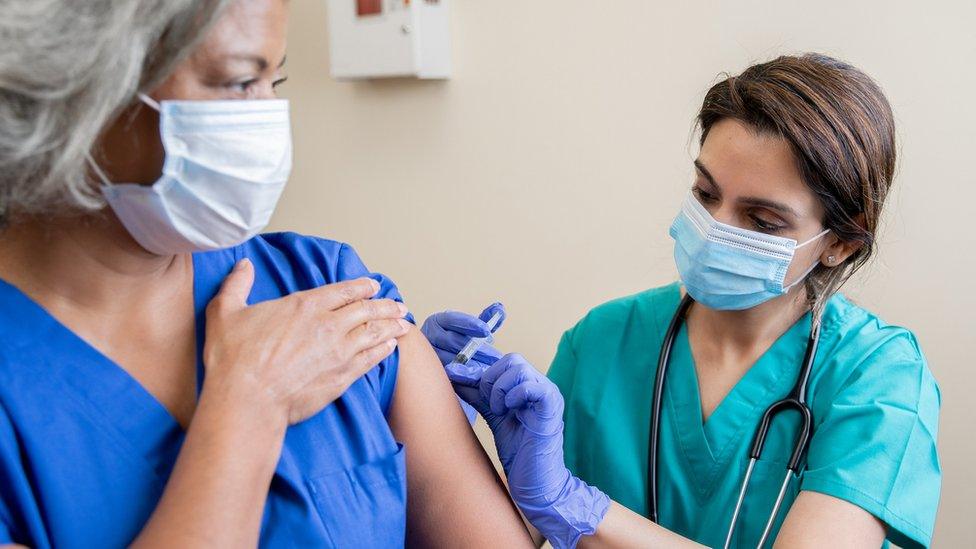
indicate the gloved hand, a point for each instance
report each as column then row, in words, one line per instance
column 524, row 411
column 449, row 332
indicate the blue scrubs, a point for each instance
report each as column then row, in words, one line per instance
column 85, row 451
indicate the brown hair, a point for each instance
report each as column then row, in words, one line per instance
column 842, row 132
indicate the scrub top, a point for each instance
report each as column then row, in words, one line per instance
column 875, row 409
column 85, row 450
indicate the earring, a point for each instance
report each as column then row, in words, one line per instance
column 830, row 260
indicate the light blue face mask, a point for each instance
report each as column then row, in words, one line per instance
column 727, row 268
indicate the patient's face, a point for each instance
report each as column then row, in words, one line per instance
column 241, row 57
column 752, row 181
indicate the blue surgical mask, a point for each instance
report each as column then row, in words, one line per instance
column 728, row 268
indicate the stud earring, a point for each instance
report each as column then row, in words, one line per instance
column 830, row 260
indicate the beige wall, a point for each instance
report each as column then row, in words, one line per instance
column 561, row 148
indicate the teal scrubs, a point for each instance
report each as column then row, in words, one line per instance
column 875, row 408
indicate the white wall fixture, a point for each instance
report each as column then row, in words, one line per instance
column 387, row 38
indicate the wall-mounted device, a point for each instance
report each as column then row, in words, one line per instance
column 384, row 38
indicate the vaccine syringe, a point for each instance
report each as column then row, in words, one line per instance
column 476, row 342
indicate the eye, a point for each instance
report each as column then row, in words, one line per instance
column 763, row 225
column 704, row 196
column 245, row 85
column 278, row 82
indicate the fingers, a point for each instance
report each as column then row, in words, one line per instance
column 447, row 351
column 487, row 354
column 490, row 312
column 499, row 390
column 450, row 342
column 470, row 413
column 461, row 323
column 541, row 395
column 502, row 377
column 465, row 374
column 236, row 287
column 375, row 332
column 365, row 360
column 472, row 397
column 333, row 296
column 367, row 310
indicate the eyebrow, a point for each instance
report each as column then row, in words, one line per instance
column 261, row 62
column 749, row 200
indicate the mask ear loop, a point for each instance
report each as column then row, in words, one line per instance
column 812, row 267
column 798, row 246
column 149, row 101
column 98, row 170
column 152, row 103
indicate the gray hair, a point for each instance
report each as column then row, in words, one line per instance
column 67, row 69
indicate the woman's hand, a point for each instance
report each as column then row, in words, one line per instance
column 298, row 353
column 525, row 413
column 268, row 366
column 524, row 410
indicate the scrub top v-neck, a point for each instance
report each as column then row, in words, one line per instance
column 875, row 407
column 85, row 450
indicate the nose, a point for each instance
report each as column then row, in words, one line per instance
column 723, row 212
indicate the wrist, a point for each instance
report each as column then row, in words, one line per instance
column 243, row 404
column 573, row 511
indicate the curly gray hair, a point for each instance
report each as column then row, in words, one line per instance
column 67, row 69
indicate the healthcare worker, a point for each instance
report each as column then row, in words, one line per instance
column 796, row 159
column 170, row 377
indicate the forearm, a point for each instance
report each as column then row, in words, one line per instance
column 216, row 493
column 624, row 528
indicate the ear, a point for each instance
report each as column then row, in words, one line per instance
column 837, row 251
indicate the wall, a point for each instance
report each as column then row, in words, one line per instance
column 561, row 148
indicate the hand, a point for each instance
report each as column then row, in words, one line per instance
column 298, row 353
column 450, row 331
column 524, row 410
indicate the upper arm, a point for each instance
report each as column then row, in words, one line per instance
column 875, row 446
column 818, row 520
column 454, row 496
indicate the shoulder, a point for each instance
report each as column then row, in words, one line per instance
column 648, row 311
column 293, row 262
column 868, row 358
column 315, row 256
column 613, row 339
column 876, row 411
column 286, row 262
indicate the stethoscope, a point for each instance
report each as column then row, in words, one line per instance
column 796, row 400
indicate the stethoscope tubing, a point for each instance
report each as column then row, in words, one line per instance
column 795, row 400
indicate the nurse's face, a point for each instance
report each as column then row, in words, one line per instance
column 752, row 181
column 242, row 57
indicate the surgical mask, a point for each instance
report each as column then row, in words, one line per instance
column 226, row 164
column 728, row 268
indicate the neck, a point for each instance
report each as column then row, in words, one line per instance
column 742, row 332
column 87, row 261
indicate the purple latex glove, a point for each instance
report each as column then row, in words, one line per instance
column 449, row 332
column 525, row 413
column 524, row 410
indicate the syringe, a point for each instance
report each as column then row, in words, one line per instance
column 476, row 342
